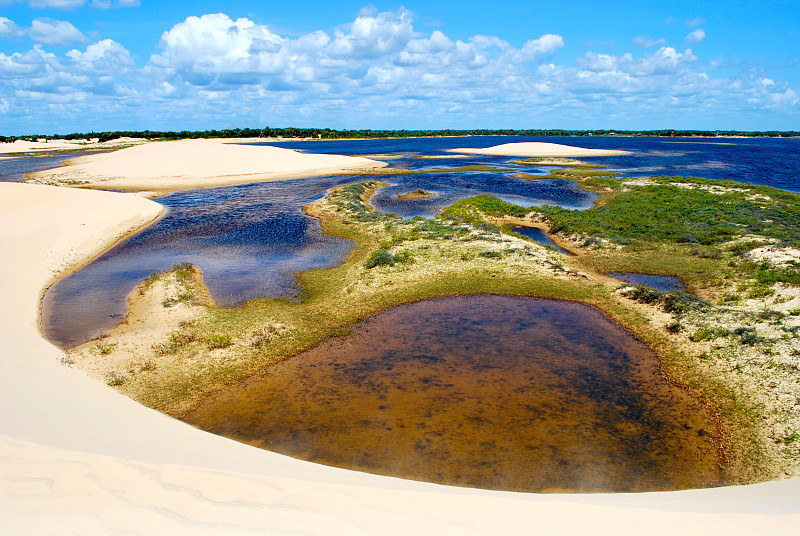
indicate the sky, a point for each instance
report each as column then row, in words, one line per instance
column 98, row 65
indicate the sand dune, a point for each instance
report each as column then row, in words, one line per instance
column 176, row 165
column 536, row 148
column 78, row 458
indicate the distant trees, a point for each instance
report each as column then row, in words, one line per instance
column 327, row 133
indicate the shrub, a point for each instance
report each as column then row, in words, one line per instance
column 215, row 342
column 674, row 327
column 103, row 348
column 707, row 333
column 731, row 298
column 747, row 335
column 183, row 270
column 491, row 254
column 384, row 257
column 175, row 341
column 115, row 378
column 183, row 297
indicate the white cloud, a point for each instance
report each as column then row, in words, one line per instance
column 106, row 56
column 55, row 32
column 58, row 4
column 371, row 36
column 9, row 29
column 540, row 49
column 72, row 4
column 691, row 23
column 108, row 4
column 696, row 36
column 377, row 71
column 645, row 41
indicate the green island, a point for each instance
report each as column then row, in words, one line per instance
column 727, row 338
column 419, row 193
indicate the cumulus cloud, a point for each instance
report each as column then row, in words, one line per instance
column 645, row 41
column 9, row 29
column 373, row 36
column 377, row 70
column 696, row 36
column 55, row 32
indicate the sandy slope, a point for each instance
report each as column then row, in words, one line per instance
column 536, row 148
column 176, row 165
column 78, row 458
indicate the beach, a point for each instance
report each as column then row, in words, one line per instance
column 77, row 457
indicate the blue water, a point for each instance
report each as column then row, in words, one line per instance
column 539, row 236
column 664, row 283
column 249, row 240
column 13, row 170
column 768, row 161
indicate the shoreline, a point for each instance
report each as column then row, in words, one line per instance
column 159, row 475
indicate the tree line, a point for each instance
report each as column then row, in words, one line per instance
column 327, row 133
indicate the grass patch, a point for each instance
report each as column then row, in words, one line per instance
column 216, row 342
column 384, row 257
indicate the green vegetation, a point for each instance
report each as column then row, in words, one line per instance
column 685, row 210
column 215, row 342
column 419, row 193
column 327, row 133
column 474, row 209
column 383, row 257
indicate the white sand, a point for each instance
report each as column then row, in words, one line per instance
column 20, row 146
column 78, row 458
column 175, row 165
column 537, row 148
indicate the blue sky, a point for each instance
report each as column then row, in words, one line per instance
column 80, row 65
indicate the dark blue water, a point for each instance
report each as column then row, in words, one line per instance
column 249, row 240
column 539, row 236
column 13, row 170
column 768, row 161
column 659, row 282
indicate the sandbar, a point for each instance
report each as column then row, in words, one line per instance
column 185, row 164
column 537, row 148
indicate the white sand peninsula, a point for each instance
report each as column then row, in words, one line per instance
column 538, row 148
column 76, row 457
column 178, row 165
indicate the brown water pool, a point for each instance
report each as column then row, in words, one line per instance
column 484, row 391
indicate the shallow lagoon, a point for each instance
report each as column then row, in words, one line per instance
column 494, row 392
column 250, row 239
